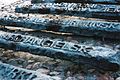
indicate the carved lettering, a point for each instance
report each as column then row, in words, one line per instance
column 58, row 45
column 47, row 43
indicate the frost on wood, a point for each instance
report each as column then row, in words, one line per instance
column 99, row 57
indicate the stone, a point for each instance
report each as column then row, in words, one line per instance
column 43, row 71
column 29, row 66
column 57, row 78
column 30, row 61
column 54, row 73
column 13, row 62
column 80, row 77
column 118, row 78
column 71, row 78
column 36, row 65
column 105, row 76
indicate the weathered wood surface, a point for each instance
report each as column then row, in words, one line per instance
column 74, row 26
column 106, row 11
column 78, row 1
column 9, row 72
column 99, row 57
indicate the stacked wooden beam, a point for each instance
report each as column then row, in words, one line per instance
column 78, row 1
column 99, row 57
column 76, row 9
column 75, row 26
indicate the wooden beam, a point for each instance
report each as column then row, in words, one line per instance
column 74, row 26
column 97, row 56
column 104, row 11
